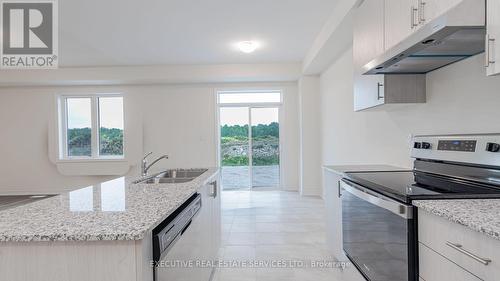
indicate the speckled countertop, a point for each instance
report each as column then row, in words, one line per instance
column 481, row 215
column 112, row 210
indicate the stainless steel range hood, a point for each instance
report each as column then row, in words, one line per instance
column 453, row 36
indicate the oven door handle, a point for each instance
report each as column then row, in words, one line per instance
column 379, row 200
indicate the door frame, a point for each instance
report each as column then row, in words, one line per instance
column 277, row 105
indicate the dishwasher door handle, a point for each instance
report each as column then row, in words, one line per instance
column 213, row 192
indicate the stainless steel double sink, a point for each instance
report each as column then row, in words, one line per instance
column 173, row 176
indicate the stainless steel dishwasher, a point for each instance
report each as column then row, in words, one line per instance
column 179, row 250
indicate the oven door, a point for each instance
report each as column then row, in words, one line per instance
column 379, row 234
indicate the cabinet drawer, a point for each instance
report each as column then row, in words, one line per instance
column 461, row 245
column 434, row 267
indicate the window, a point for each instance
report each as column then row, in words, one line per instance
column 91, row 127
column 257, row 97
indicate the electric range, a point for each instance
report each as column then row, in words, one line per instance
column 378, row 220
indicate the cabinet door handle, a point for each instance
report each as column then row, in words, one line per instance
column 421, row 11
column 487, row 51
column 338, row 190
column 379, row 85
column 460, row 249
column 413, row 11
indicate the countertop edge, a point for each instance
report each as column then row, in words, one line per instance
column 452, row 216
column 342, row 169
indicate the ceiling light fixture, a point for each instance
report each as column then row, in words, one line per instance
column 248, row 46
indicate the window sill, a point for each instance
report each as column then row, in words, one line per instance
column 91, row 160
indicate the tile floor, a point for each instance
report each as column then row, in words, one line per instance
column 273, row 225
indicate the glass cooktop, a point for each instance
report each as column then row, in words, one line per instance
column 406, row 186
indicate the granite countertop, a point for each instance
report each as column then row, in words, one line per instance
column 112, row 210
column 480, row 215
column 342, row 169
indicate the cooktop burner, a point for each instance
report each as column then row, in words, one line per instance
column 406, row 186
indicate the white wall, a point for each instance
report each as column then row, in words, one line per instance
column 152, row 74
column 179, row 120
column 460, row 99
column 310, row 137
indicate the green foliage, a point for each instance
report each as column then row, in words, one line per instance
column 234, row 131
column 233, row 140
column 235, row 161
column 111, row 142
column 266, row 160
column 234, row 145
column 260, row 130
column 79, row 141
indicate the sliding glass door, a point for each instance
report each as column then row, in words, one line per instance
column 258, row 167
column 265, row 153
column 249, row 141
column 234, row 147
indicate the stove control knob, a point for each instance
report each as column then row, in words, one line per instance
column 492, row 147
column 426, row 145
column 417, row 145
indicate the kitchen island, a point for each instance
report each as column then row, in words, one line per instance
column 100, row 232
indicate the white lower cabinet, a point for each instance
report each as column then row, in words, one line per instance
column 434, row 267
column 216, row 217
column 451, row 252
column 333, row 214
column 334, row 225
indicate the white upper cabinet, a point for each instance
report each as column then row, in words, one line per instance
column 400, row 20
column 369, row 42
column 368, row 36
column 368, row 31
column 403, row 17
column 431, row 9
column 492, row 48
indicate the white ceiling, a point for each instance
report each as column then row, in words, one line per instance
column 135, row 32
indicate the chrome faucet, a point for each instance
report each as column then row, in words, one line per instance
column 145, row 167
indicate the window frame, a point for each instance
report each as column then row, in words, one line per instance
column 281, row 105
column 95, row 124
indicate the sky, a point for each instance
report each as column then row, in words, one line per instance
column 110, row 111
